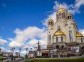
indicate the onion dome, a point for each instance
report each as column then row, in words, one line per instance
column 78, row 34
column 59, row 33
column 61, row 10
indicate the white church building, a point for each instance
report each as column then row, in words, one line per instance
column 63, row 37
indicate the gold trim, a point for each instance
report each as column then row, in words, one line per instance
column 78, row 34
column 59, row 33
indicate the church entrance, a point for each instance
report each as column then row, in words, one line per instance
column 45, row 55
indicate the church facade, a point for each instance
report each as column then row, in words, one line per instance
column 63, row 37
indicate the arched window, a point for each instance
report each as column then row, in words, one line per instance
column 57, row 17
column 48, row 23
column 82, row 47
column 70, row 35
column 81, row 39
column 56, row 39
column 63, row 15
column 68, row 17
column 57, row 47
column 51, row 23
column 60, row 15
column 62, row 38
column 62, row 46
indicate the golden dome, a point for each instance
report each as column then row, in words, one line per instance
column 78, row 34
column 61, row 10
column 59, row 33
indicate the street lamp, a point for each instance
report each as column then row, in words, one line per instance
column 26, row 52
column 12, row 49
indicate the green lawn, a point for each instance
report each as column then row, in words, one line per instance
column 56, row 60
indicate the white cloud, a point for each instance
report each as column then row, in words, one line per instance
column 28, row 34
column 16, row 44
column 60, row 5
column 72, row 8
column 2, row 41
column 78, row 3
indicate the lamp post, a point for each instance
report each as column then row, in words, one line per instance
column 13, row 49
column 19, row 51
column 26, row 52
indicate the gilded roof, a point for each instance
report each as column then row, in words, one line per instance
column 59, row 33
column 78, row 34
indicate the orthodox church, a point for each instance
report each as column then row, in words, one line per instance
column 63, row 37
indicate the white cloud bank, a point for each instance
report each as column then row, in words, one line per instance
column 30, row 35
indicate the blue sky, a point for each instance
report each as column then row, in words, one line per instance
column 17, row 16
